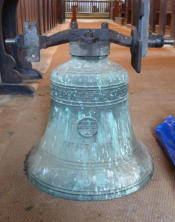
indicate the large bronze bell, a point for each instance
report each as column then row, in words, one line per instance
column 89, row 150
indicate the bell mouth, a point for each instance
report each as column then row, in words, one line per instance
column 126, row 177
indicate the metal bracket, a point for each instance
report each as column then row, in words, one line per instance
column 141, row 12
column 136, row 51
column 31, row 42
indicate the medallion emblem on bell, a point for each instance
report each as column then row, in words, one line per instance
column 89, row 150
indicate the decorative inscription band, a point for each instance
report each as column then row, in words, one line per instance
column 89, row 96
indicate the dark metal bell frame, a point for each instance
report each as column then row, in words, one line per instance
column 14, row 68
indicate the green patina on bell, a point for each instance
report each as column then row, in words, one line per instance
column 89, row 150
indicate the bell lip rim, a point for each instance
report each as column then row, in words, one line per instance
column 91, row 197
column 82, row 197
column 42, row 186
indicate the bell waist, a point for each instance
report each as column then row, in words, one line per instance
column 89, row 96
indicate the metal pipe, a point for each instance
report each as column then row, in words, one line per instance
column 10, row 41
column 169, row 41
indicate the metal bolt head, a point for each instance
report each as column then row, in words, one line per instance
column 74, row 25
column 104, row 25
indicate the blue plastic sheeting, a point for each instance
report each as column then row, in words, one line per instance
column 166, row 135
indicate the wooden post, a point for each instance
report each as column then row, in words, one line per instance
column 20, row 20
column 62, row 16
column 40, row 16
column 123, row 13
column 163, row 17
column 152, row 15
column 74, row 13
column 116, row 9
column 45, row 15
column 173, row 20
column 129, row 11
